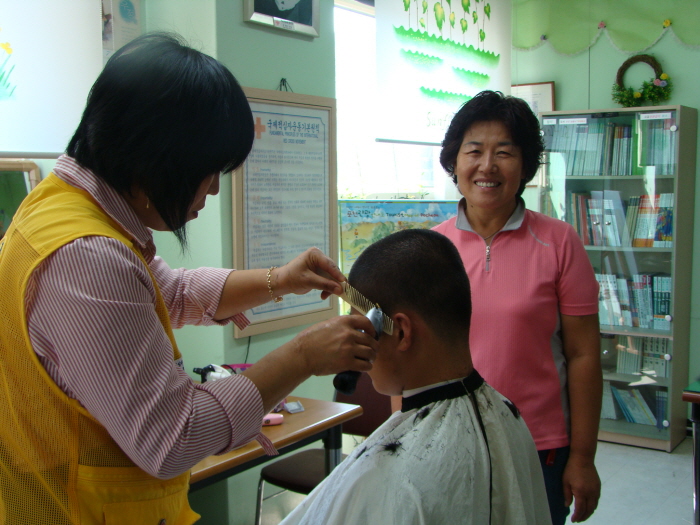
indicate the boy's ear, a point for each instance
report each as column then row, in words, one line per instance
column 403, row 331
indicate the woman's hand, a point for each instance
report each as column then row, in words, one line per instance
column 329, row 347
column 338, row 344
column 312, row 270
column 245, row 289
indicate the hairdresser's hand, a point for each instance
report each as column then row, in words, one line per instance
column 582, row 485
column 312, row 270
column 337, row 345
column 328, row 347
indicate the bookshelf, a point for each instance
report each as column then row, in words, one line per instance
column 625, row 180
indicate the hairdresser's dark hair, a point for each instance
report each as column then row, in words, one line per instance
column 162, row 116
column 419, row 270
column 514, row 113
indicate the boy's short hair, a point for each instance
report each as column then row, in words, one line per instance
column 418, row 270
column 163, row 116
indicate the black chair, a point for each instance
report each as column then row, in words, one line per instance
column 302, row 471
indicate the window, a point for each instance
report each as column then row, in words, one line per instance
column 367, row 168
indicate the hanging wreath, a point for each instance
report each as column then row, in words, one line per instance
column 657, row 89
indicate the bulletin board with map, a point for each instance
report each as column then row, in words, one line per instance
column 364, row 221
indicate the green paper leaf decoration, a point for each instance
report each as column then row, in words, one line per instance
column 439, row 15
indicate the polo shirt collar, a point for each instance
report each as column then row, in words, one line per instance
column 69, row 171
column 514, row 222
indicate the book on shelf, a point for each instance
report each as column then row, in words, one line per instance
column 623, row 294
column 643, row 291
column 610, row 229
column 661, row 407
column 608, row 410
column 654, row 353
column 642, row 355
column 595, row 220
column 644, row 301
column 629, row 355
column 661, row 293
column 633, row 405
column 584, row 222
column 639, row 398
column 599, row 218
column 619, row 217
column 645, row 225
column 631, row 219
column 621, row 404
column 663, row 231
column 658, row 141
column 634, row 305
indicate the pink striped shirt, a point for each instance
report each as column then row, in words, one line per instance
column 93, row 325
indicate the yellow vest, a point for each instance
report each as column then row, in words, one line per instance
column 58, row 464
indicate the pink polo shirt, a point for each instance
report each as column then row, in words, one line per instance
column 535, row 269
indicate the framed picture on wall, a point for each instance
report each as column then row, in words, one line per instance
column 299, row 16
column 285, row 200
column 539, row 96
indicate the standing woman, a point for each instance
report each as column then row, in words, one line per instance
column 535, row 333
column 99, row 423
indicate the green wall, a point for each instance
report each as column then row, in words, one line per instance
column 584, row 81
column 259, row 57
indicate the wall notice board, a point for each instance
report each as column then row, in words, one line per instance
column 284, row 199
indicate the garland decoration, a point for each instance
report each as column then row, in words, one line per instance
column 657, row 89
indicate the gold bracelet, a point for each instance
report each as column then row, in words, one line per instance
column 269, row 285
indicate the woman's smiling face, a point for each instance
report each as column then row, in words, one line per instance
column 489, row 166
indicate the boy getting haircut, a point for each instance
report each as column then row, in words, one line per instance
column 458, row 451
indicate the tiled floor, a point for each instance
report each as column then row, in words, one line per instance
column 644, row 487
column 640, row 487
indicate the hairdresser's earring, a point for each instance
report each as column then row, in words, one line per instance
column 148, row 203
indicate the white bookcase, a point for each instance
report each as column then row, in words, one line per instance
column 625, row 179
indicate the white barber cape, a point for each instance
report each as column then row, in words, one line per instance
column 439, row 461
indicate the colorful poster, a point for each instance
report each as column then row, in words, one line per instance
column 364, row 221
column 434, row 56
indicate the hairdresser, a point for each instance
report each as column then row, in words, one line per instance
column 99, row 423
column 535, row 333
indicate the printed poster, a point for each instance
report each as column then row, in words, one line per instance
column 286, row 197
column 363, row 222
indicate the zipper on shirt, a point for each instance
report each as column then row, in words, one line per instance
column 488, row 257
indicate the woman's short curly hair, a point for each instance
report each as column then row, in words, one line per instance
column 514, row 113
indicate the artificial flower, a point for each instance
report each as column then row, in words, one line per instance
column 6, row 46
column 543, row 37
column 663, row 83
column 667, row 22
column 657, row 82
column 663, row 76
column 637, row 94
column 601, row 25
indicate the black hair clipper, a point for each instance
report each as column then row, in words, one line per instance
column 346, row 382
